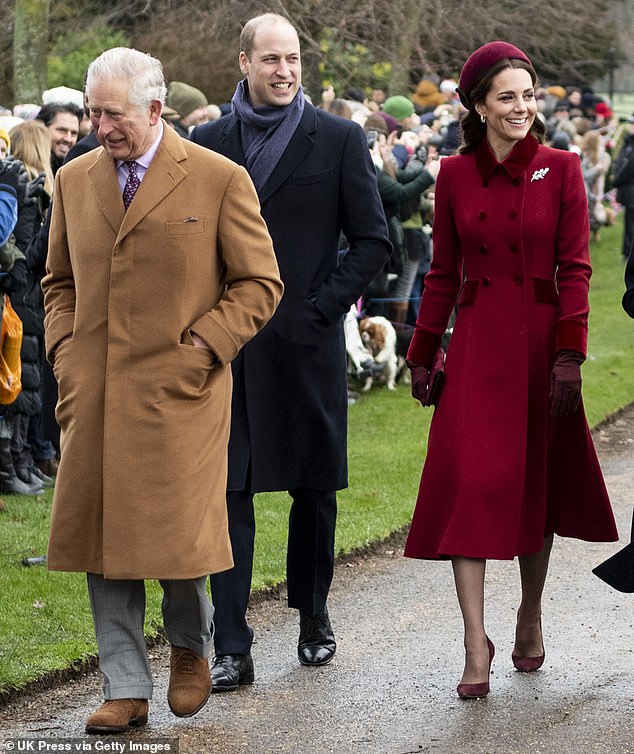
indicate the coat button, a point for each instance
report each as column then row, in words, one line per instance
column 486, row 282
column 482, row 216
column 512, row 214
column 485, row 184
column 515, row 248
column 517, row 181
column 483, row 249
column 518, row 280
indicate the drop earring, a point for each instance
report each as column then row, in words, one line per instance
column 483, row 118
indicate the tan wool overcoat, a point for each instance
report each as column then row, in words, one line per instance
column 144, row 414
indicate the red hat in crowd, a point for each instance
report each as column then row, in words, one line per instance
column 603, row 109
column 481, row 60
column 390, row 121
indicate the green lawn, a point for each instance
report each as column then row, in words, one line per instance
column 45, row 623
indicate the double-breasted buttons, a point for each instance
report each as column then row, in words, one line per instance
column 515, row 248
column 483, row 249
column 512, row 215
column 486, row 282
column 517, row 181
column 482, row 216
column 518, row 280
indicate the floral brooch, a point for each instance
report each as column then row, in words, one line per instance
column 539, row 174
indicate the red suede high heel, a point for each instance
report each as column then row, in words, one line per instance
column 530, row 664
column 477, row 690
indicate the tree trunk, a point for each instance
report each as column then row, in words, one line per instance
column 30, row 50
column 406, row 25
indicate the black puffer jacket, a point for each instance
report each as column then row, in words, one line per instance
column 624, row 173
column 29, row 303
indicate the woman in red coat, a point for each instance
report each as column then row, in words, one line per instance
column 510, row 459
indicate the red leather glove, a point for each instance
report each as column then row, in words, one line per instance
column 565, row 383
column 427, row 383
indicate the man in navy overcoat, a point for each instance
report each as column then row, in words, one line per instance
column 315, row 180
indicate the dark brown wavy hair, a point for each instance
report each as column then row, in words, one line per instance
column 473, row 130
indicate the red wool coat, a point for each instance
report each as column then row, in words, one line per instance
column 500, row 471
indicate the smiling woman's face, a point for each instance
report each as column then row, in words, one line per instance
column 510, row 109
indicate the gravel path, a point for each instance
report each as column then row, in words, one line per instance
column 391, row 687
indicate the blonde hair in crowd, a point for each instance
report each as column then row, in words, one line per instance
column 31, row 144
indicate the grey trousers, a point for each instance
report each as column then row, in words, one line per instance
column 118, row 611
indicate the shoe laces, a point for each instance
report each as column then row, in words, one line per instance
column 223, row 661
column 184, row 660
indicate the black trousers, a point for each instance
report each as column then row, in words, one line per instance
column 309, row 563
column 628, row 231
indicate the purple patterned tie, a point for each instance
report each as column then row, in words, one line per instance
column 131, row 185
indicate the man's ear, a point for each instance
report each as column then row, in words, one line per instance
column 243, row 62
column 156, row 108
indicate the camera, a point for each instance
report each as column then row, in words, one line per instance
column 372, row 137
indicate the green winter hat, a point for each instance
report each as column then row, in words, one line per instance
column 399, row 107
column 185, row 98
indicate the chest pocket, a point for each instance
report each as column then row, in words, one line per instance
column 188, row 226
column 303, row 180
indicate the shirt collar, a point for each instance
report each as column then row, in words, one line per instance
column 515, row 164
column 145, row 159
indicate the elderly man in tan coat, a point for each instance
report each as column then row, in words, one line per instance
column 160, row 268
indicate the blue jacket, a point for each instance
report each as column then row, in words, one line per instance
column 8, row 212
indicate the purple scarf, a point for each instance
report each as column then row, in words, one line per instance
column 265, row 131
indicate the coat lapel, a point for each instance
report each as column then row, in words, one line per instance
column 163, row 175
column 230, row 140
column 298, row 147
column 103, row 175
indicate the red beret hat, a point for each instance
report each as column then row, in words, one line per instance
column 481, row 60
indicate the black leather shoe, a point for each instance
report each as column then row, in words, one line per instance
column 230, row 671
column 316, row 644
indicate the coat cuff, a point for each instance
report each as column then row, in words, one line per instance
column 572, row 336
column 423, row 347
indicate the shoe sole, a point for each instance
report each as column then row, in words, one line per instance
column 316, row 664
column 136, row 722
column 193, row 712
column 220, row 689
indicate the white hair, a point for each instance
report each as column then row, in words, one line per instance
column 143, row 73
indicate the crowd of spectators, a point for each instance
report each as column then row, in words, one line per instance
column 408, row 134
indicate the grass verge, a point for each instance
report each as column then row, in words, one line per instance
column 45, row 623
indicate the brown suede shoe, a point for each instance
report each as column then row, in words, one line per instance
column 117, row 715
column 190, row 682
column 48, row 467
